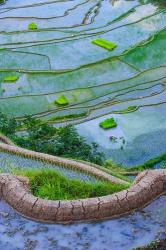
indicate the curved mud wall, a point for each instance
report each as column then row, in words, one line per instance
column 147, row 186
column 6, row 140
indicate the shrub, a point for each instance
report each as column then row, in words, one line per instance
column 108, row 123
column 7, row 125
column 32, row 26
column 104, row 44
column 61, row 100
column 41, row 137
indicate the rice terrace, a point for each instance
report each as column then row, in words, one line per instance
column 82, row 124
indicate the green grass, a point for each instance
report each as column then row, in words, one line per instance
column 109, row 164
column 11, row 78
column 127, row 110
column 150, row 163
column 116, row 170
column 104, row 44
column 51, row 185
column 61, row 100
column 111, row 168
column 117, row 174
column 32, row 26
column 69, row 116
column 108, row 123
column 163, row 165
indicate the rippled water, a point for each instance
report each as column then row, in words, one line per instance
column 144, row 133
column 125, row 233
column 127, row 23
column 11, row 161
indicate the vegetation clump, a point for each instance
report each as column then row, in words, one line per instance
column 61, row 100
column 11, row 78
column 150, row 163
column 104, row 44
column 32, row 26
column 109, row 164
column 154, row 245
column 116, row 170
column 108, row 123
column 8, row 126
column 127, row 110
column 49, row 184
column 41, row 137
column 68, row 116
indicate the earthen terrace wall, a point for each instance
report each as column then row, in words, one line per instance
column 6, row 140
column 15, row 191
column 147, row 186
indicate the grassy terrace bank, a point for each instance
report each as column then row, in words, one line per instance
column 49, row 184
column 150, row 164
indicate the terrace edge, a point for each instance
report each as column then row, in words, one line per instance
column 7, row 146
column 15, row 190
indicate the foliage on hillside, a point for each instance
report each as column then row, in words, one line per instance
column 64, row 141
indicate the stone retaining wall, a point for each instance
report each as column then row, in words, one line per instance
column 147, row 186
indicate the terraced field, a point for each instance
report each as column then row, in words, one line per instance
column 8, row 162
column 58, row 59
column 52, row 68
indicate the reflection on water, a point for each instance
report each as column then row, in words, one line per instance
column 141, row 227
column 143, row 130
column 8, row 162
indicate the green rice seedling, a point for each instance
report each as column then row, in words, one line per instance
column 11, row 78
column 108, row 123
column 104, row 44
column 61, row 100
column 32, row 26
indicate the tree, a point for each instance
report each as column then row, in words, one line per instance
column 7, row 125
column 64, row 141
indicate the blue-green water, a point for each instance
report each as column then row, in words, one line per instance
column 99, row 83
column 125, row 233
